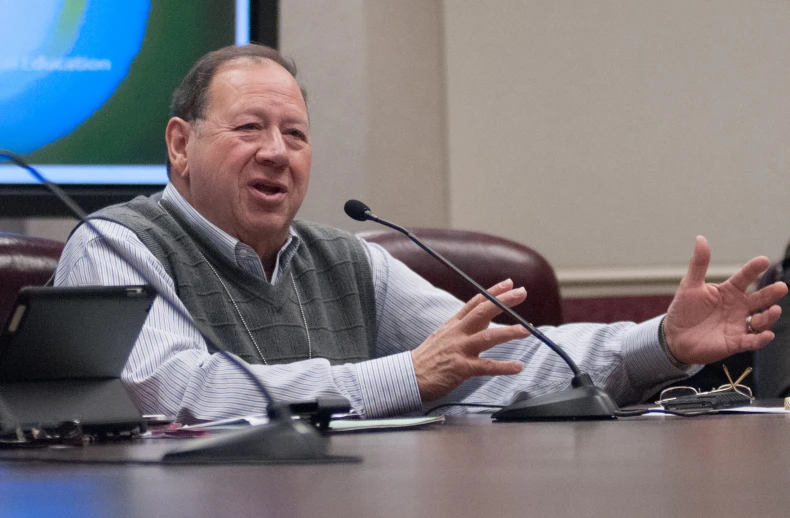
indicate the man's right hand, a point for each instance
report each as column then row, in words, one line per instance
column 451, row 354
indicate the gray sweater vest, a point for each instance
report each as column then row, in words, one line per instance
column 330, row 270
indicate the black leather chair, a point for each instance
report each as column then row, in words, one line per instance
column 486, row 259
column 24, row 261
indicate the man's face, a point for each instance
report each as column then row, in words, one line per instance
column 248, row 161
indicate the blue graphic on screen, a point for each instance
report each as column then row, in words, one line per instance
column 62, row 60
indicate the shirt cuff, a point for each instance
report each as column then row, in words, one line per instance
column 389, row 386
column 647, row 365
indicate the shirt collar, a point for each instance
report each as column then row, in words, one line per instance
column 231, row 248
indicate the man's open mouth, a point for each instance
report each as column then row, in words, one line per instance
column 270, row 189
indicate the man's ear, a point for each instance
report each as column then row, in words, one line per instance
column 177, row 136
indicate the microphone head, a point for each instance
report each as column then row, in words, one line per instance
column 357, row 210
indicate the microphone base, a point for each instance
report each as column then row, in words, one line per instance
column 282, row 441
column 582, row 401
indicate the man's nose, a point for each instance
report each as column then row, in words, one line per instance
column 272, row 150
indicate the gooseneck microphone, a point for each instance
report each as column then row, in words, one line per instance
column 582, row 401
column 357, row 210
column 282, row 440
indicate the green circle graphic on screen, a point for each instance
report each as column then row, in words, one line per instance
column 60, row 61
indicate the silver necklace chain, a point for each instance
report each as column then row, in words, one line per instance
column 244, row 322
column 304, row 319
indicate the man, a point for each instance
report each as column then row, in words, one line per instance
column 318, row 312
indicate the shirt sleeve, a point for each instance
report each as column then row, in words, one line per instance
column 626, row 359
column 170, row 370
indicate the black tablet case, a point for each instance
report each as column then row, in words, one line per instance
column 61, row 356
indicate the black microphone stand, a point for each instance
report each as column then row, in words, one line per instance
column 583, row 400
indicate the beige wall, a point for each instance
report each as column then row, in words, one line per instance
column 607, row 134
column 374, row 72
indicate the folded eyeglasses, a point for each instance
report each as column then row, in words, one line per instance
column 672, row 393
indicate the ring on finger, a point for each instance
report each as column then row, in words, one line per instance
column 749, row 328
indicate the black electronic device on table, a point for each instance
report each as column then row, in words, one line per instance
column 62, row 351
column 708, row 401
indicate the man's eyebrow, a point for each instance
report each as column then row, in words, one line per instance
column 285, row 118
column 296, row 120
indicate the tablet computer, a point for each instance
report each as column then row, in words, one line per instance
column 62, row 351
column 84, row 332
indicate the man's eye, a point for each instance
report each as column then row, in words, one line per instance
column 296, row 134
column 248, row 126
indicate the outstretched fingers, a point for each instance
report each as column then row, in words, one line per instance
column 450, row 355
column 478, row 299
column 754, row 341
column 743, row 278
column 491, row 336
column 480, row 316
column 765, row 321
column 700, row 260
column 488, row 367
column 766, row 297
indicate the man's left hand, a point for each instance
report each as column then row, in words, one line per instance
column 707, row 322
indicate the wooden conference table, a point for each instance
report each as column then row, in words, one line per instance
column 717, row 466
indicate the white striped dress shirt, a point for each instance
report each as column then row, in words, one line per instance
column 171, row 372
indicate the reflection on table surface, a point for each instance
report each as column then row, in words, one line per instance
column 727, row 465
